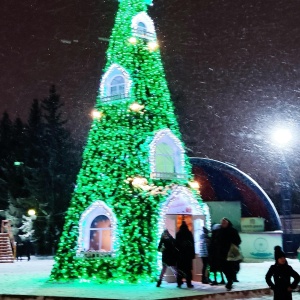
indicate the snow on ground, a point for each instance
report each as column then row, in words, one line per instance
column 31, row 278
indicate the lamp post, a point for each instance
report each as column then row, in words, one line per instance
column 282, row 138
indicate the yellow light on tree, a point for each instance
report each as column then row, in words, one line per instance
column 194, row 185
column 152, row 46
column 97, row 114
column 136, row 107
column 133, row 40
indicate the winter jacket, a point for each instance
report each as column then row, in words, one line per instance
column 282, row 280
column 204, row 244
column 186, row 247
column 169, row 251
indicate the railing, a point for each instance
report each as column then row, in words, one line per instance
column 144, row 34
column 94, row 254
column 114, row 98
column 167, row 175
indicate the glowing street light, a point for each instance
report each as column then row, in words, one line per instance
column 282, row 137
column 31, row 212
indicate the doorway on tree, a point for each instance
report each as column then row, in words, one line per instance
column 182, row 206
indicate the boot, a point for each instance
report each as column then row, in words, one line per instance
column 158, row 283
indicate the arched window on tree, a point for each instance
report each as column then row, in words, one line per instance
column 141, row 29
column 117, row 86
column 100, row 234
column 166, row 156
column 97, row 231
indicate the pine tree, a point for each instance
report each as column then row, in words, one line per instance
column 5, row 158
column 49, row 173
column 133, row 111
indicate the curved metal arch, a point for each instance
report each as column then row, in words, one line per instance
column 251, row 184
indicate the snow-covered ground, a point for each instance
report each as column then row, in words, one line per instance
column 31, row 278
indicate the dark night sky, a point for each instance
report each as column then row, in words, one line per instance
column 232, row 67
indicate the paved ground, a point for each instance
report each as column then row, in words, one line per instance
column 30, row 278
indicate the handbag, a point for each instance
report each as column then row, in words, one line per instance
column 234, row 253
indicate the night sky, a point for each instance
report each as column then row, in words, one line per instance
column 233, row 68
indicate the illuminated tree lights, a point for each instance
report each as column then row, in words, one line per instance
column 116, row 155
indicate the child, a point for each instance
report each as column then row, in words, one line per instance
column 282, row 273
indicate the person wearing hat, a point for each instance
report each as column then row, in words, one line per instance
column 227, row 238
column 281, row 273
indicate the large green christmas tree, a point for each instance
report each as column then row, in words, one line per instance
column 134, row 164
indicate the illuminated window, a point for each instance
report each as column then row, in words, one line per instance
column 100, row 234
column 117, row 86
column 141, row 28
column 164, row 158
column 97, row 231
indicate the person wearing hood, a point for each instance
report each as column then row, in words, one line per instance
column 169, row 254
column 228, row 238
column 282, row 274
column 186, row 247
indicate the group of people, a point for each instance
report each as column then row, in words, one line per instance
column 220, row 252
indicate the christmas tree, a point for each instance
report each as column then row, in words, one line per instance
column 134, row 164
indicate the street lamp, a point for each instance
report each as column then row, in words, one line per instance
column 32, row 213
column 282, row 137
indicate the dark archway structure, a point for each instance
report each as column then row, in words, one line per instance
column 223, row 182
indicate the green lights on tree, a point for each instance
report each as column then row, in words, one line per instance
column 117, row 152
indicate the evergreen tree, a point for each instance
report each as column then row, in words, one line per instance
column 50, row 170
column 12, row 165
column 6, row 159
column 133, row 107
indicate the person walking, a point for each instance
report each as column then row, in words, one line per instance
column 204, row 246
column 169, row 254
column 282, row 274
column 228, row 239
column 186, row 247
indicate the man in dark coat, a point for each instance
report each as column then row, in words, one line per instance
column 282, row 274
column 169, row 254
column 227, row 236
column 186, row 246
